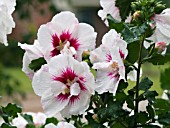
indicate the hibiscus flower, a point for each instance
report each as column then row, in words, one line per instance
column 162, row 30
column 64, row 34
column 6, row 21
column 65, row 85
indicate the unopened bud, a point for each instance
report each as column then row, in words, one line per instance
column 95, row 117
column 136, row 15
column 160, row 47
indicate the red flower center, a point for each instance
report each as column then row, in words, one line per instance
column 69, row 77
column 58, row 42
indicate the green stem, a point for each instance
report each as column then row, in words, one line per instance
column 138, row 78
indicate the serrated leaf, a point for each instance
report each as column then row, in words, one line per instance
column 165, row 80
column 145, row 84
column 36, row 64
column 11, row 110
column 124, row 7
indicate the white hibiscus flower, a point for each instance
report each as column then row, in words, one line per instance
column 60, row 125
column 108, row 60
column 110, row 69
column 162, row 23
column 32, row 52
column 64, row 34
column 6, row 21
column 65, row 85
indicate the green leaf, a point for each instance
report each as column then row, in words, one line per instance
column 92, row 122
column 142, row 117
column 36, row 64
column 133, row 48
column 116, row 125
column 165, row 80
column 151, row 126
column 5, row 125
column 150, row 95
column 28, row 118
column 30, row 126
column 145, row 84
column 115, row 24
column 51, row 120
column 11, row 110
column 164, row 119
column 161, row 106
column 130, row 103
column 158, row 59
column 151, row 112
column 124, row 7
column 122, row 85
column 128, row 35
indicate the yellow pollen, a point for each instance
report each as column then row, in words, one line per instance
column 67, row 91
column 114, row 65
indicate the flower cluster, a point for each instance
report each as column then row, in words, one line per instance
column 6, row 22
column 63, row 81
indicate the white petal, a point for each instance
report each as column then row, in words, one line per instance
column 104, row 66
column 41, row 80
column 99, row 54
column 25, row 66
column 51, row 104
column 50, row 126
column 86, row 36
column 19, row 122
column 39, row 118
column 105, row 83
column 75, row 89
column 59, row 63
column 33, row 51
column 66, row 20
column 45, row 33
column 79, row 106
column 64, row 125
column 57, row 87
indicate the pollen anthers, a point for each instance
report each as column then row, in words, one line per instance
column 114, row 65
column 70, row 82
column 61, row 45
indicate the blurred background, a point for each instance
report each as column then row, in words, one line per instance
column 28, row 16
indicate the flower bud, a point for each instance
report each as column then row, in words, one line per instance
column 160, row 47
column 95, row 118
column 136, row 15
